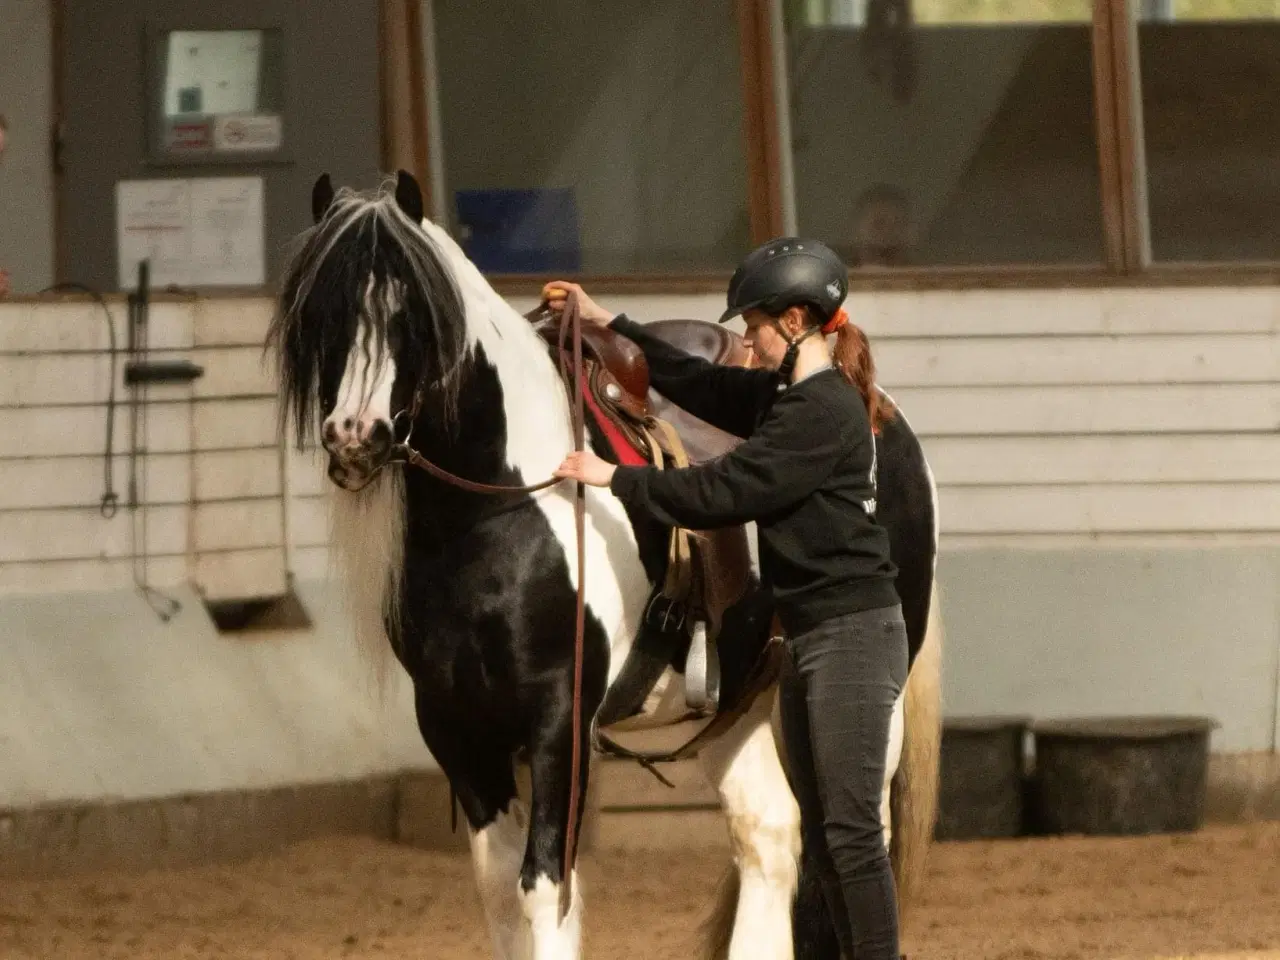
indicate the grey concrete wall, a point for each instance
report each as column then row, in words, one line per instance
column 331, row 113
column 101, row 702
column 26, row 170
column 1110, row 630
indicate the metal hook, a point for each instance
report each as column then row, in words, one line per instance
column 405, row 417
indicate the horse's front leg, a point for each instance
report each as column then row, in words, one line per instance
column 542, row 875
column 480, row 772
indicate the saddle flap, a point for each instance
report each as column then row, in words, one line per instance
column 702, row 441
column 721, row 563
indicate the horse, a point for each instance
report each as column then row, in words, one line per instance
column 384, row 330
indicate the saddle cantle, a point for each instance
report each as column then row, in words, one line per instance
column 707, row 571
column 712, row 342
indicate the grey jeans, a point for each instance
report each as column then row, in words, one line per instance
column 837, row 694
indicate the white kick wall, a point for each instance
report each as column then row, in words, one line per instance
column 1107, row 461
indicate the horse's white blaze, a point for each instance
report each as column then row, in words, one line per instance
column 364, row 396
column 764, row 831
column 539, row 434
column 553, row 940
column 496, row 854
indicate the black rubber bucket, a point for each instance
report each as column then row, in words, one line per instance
column 980, row 778
column 1120, row 775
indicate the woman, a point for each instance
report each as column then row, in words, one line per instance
column 806, row 474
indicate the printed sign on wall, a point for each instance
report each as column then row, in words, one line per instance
column 197, row 232
column 243, row 133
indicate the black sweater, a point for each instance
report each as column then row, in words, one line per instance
column 805, row 474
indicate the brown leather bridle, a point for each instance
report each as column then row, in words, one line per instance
column 572, row 317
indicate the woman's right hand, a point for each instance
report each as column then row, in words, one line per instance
column 556, row 293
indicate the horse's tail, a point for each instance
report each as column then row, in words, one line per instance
column 913, row 796
column 813, row 932
column 812, row 935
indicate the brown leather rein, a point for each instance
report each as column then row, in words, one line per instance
column 572, row 317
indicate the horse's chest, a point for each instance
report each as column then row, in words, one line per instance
column 476, row 615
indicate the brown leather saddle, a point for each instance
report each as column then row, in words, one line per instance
column 710, row 570
column 618, row 376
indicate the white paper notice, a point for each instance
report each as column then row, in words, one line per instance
column 152, row 219
column 227, row 245
column 196, row 232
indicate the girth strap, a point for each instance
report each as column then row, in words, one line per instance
column 679, row 580
column 763, row 673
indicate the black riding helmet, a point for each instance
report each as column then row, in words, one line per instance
column 786, row 272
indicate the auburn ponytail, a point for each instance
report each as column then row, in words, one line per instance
column 852, row 356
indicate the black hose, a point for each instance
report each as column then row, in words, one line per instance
column 110, row 501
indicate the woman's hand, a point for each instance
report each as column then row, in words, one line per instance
column 588, row 468
column 556, row 293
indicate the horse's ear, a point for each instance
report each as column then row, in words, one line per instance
column 321, row 197
column 409, row 196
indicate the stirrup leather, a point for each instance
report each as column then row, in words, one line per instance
column 702, row 666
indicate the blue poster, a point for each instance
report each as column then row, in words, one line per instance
column 520, row 231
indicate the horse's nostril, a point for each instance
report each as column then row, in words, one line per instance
column 380, row 438
column 331, row 432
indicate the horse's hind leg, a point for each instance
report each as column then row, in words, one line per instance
column 764, row 831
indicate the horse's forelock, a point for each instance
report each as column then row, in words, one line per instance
column 365, row 261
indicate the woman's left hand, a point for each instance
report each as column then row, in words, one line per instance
column 587, row 467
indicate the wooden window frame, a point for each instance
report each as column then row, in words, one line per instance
column 402, row 92
column 1126, row 259
column 760, row 143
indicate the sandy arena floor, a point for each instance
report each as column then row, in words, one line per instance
column 1213, row 896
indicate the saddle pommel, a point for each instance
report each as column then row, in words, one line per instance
column 621, row 376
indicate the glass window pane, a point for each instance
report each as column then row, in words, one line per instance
column 212, row 72
column 599, row 136
column 1210, row 81
column 945, row 132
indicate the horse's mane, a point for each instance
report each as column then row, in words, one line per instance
column 367, row 258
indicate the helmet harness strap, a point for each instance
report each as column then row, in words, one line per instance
column 788, row 364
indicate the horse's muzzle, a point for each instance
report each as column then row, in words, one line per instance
column 353, row 465
column 349, row 477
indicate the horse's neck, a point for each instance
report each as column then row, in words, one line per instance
column 538, row 432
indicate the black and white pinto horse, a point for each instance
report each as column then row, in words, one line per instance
column 476, row 594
